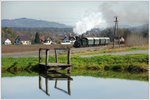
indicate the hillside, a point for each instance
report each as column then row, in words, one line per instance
column 31, row 23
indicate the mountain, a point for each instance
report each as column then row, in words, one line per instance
column 124, row 26
column 144, row 26
column 31, row 23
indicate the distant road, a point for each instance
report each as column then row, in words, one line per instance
column 35, row 53
column 120, row 53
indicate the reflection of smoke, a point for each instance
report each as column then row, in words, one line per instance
column 92, row 20
column 129, row 13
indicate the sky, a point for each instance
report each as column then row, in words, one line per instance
column 72, row 12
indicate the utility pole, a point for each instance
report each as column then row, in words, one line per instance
column 115, row 32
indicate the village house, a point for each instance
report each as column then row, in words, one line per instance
column 42, row 39
column 68, row 40
column 45, row 40
column 23, row 40
column 6, row 41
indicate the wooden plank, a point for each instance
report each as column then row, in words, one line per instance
column 57, row 68
column 56, row 75
column 55, row 64
column 58, row 78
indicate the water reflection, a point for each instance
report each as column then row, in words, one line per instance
column 54, row 76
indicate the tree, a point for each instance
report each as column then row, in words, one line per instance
column 145, row 33
column 37, row 38
column 3, row 33
column 107, row 33
column 9, row 33
column 127, row 32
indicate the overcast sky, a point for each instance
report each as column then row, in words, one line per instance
column 129, row 13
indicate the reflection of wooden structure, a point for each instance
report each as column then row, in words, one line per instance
column 55, row 76
column 55, row 66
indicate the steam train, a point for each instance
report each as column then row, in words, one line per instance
column 90, row 41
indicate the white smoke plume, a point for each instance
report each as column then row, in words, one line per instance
column 90, row 21
column 129, row 13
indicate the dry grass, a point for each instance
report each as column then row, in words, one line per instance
column 27, row 48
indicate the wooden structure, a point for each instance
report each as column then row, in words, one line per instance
column 55, row 66
column 55, row 76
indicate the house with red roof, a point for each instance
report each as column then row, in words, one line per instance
column 45, row 40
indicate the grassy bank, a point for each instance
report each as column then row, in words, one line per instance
column 111, row 50
column 136, row 63
column 90, row 73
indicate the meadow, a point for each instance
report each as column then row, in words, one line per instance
column 135, row 65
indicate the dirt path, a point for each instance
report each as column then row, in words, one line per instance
column 120, row 53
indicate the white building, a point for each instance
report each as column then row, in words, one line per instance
column 23, row 40
column 7, row 42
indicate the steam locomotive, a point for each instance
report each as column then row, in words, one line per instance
column 90, row 41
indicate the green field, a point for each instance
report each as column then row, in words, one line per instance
column 111, row 50
column 122, row 66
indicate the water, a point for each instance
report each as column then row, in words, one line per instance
column 82, row 87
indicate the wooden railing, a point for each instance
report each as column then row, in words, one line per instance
column 46, row 53
column 68, row 54
column 56, row 55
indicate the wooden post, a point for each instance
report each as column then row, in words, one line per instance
column 39, row 55
column 47, row 55
column 40, row 82
column 69, row 90
column 55, row 83
column 68, row 61
column 68, row 57
column 56, row 56
column 46, row 84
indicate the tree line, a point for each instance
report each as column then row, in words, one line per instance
column 57, row 33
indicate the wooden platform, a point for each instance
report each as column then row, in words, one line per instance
column 56, row 76
column 55, row 66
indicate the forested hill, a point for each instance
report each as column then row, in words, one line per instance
column 38, row 29
column 31, row 23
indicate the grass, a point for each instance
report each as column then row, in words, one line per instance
column 136, row 63
column 132, row 66
column 111, row 50
column 91, row 73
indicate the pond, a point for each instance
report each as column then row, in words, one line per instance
column 61, row 86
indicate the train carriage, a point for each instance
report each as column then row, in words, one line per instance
column 91, row 41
